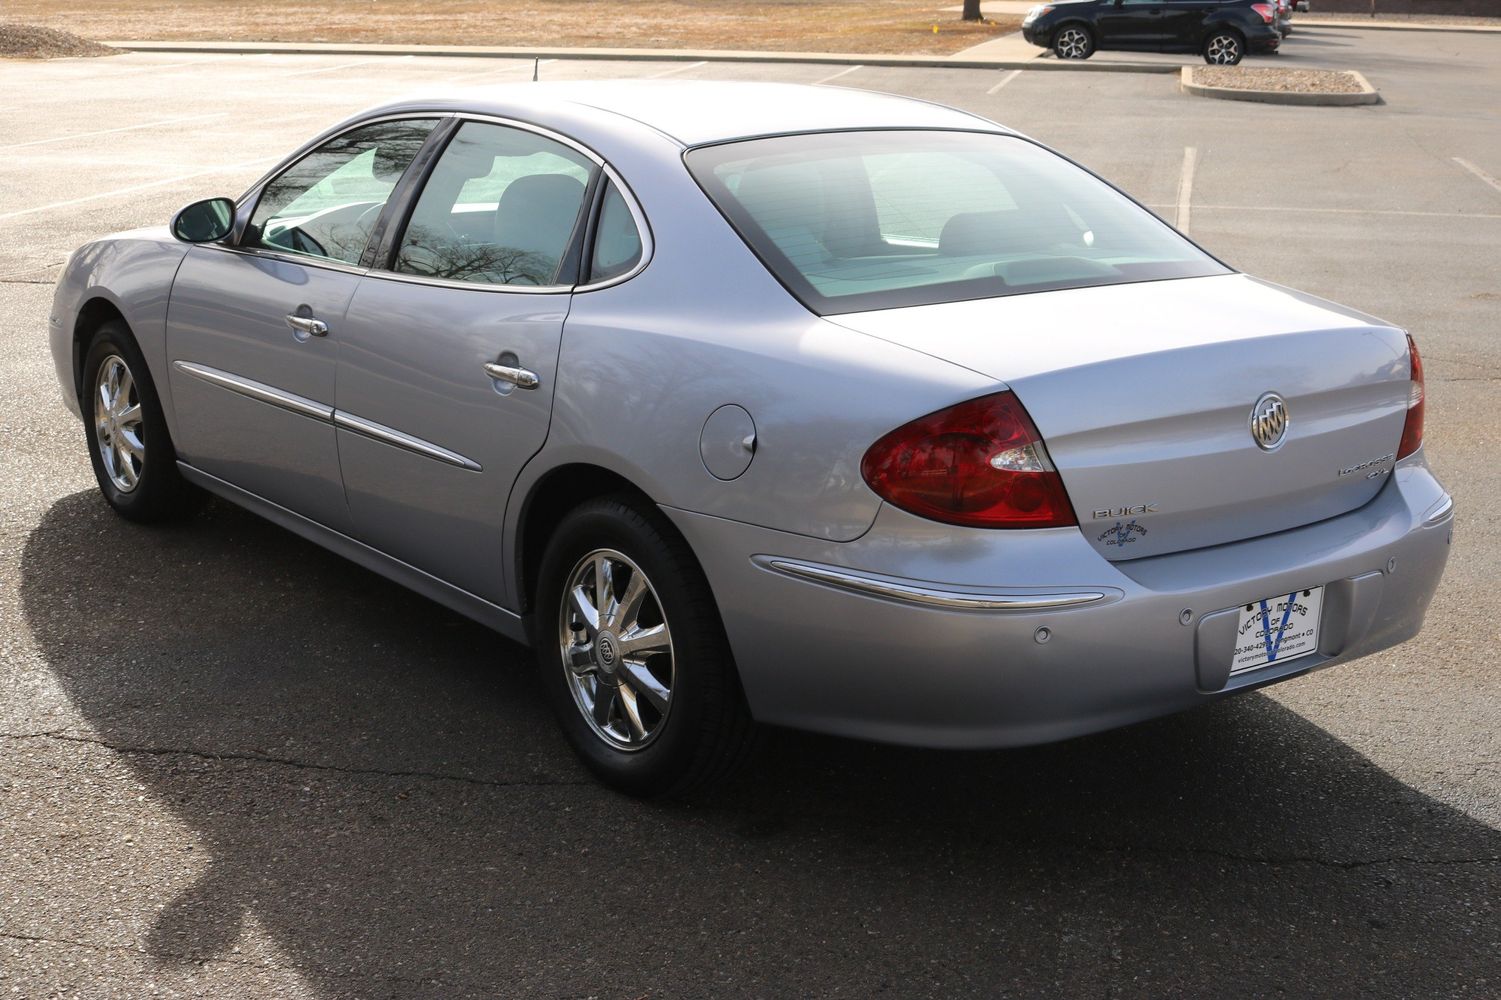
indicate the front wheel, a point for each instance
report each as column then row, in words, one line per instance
column 129, row 445
column 1224, row 48
column 1073, row 41
column 633, row 654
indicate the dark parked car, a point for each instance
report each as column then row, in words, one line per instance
column 1221, row 31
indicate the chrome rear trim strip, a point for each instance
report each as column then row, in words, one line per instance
column 259, row 391
column 398, row 439
column 924, row 595
column 1440, row 511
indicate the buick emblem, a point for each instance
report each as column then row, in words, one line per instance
column 606, row 650
column 1269, row 421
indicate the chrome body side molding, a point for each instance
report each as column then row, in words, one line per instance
column 315, row 410
column 400, row 439
column 310, row 408
column 926, row 595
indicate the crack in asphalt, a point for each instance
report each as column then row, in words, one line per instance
column 137, row 950
column 183, row 956
column 1245, row 859
column 300, row 764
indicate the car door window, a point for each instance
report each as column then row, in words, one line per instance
column 617, row 241
column 326, row 204
column 500, row 208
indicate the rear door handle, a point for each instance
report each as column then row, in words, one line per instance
column 519, row 377
column 308, row 325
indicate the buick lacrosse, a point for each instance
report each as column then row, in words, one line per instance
column 757, row 403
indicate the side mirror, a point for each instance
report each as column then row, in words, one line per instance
column 205, row 221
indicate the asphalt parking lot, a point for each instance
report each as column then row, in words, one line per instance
column 234, row 765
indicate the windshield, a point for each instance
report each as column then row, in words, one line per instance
column 851, row 221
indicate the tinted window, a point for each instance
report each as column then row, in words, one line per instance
column 500, row 208
column 617, row 243
column 327, row 203
column 872, row 220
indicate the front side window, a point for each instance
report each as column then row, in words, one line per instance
column 501, row 208
column 327, row 203
column 851, row 221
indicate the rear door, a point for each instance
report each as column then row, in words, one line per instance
column 1183, row 24
column 253, row 329
column 1130, row 24
column 448, row 356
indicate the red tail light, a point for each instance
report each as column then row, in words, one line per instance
column 1412, row 430
column 980, row 464
column 1267, row 11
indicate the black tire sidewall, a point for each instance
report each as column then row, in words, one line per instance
column 158, row 493
column 701, row 659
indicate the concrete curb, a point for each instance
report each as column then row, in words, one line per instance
column 635, row 55
column 1367, row 95
column 1472, row 29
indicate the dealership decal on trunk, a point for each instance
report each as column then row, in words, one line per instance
column 1122, row 534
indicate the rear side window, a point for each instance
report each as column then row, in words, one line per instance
column 617, row 242
column 500, row 208
column 851, row 221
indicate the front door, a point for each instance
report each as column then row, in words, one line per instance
column 253, row 329
column 449, row 352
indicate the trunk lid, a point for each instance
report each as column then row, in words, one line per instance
column 1144, row 395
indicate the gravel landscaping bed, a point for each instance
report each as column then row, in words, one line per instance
column 28, row 41
column 1288, row 81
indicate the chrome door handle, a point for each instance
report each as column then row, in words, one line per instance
column 308, row 325
column 519, row 377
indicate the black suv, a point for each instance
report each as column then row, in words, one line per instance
column 1221, row 30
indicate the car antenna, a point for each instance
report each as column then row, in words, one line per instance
column 536, row 64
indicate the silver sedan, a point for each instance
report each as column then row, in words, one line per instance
column 749, row 402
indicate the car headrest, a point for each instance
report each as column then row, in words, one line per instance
column 536, row 215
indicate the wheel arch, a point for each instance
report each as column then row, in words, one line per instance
column 93, row 314
column 546, row 502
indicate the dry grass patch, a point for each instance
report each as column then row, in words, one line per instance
column 857, row 26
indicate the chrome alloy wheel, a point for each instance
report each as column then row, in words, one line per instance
column 1073, row 43
column 617, row 649
column 1224, row 50
column 117, row 423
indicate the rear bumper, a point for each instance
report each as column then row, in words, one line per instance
column 1265, row 39
column 922, row 634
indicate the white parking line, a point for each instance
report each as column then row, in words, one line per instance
column 1344, row 211
column 110, row 131
column 1487, row 178
column 117, row 192
column 348, row 65
column 834, row 76
column 1186, row 186
column 676, row 69
column 1005, row 80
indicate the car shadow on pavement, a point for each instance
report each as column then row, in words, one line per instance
column 377, row 784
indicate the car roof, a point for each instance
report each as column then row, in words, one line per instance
column 695, row 112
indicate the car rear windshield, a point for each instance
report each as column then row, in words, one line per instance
column 851, row 221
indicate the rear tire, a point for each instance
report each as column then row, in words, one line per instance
column 1224, row 48
column 1073, row 41
column 637, row 668
column 129, row 445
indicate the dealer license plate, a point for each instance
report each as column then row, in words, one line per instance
column 1281, row 627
